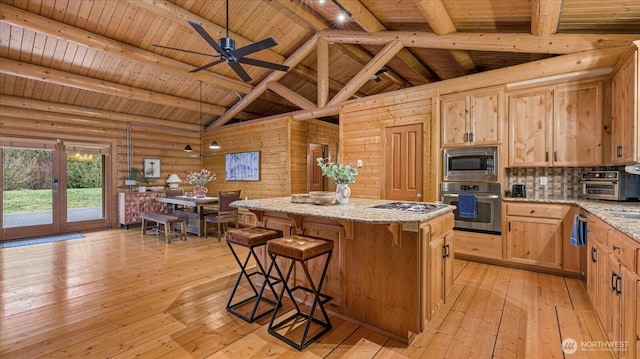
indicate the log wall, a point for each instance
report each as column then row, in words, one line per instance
column 282, row 143
column 363, row 128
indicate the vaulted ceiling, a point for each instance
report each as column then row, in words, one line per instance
column 103, row 54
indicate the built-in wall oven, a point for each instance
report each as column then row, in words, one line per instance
column 487, row 201
column 470, row 164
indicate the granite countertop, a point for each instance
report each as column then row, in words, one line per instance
column 600, row 209
column 358, row 210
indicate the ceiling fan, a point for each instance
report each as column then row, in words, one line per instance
column 226, row 49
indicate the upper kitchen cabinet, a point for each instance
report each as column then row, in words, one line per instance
column 558, row 125
column 625, row 141
column 472, row 117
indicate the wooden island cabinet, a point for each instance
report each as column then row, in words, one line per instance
column 389, row 270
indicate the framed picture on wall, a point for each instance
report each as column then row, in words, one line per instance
column 151, row 167
column 244, row 166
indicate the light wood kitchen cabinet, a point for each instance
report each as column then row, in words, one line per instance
column 613, row 290
column 534, row 241
column 537, row 235
column 472, row 118
column 246, row 218
column 440, row 257
column 558, row 125
column 332, row 284
column 625, row 123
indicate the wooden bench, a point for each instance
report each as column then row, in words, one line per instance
column 167, row 220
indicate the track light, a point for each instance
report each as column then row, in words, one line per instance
column 214, row 145
column 188, row 148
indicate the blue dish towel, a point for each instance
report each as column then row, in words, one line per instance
column 467, row 205
column 578, row 232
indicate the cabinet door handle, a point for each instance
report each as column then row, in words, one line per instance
column 546, row 156
column 555, row 156
column 614, row 281
column 615, row 248
column 619, row 151
column 594, row 251
column 466, row 137
column 444, row 251
column 448, row 251
column 470, row 136
column 618, row 284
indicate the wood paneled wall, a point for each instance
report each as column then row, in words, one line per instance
column 282, row 143
column 363, row 135
column 151, row 138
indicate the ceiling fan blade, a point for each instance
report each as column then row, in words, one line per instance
column 206, row 66
column 200, row 30
column 255, row 47
column 269, row 65
column 240, row 71
column 183, row 50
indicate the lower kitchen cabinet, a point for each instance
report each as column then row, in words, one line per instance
column 440, row 259
column 613, row 284
column 534, row 241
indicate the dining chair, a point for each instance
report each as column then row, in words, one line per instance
column 225, row 213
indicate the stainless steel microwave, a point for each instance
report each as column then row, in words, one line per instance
column 470, row 164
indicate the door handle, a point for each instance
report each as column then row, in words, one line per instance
column 594, row 251
column 419, row 195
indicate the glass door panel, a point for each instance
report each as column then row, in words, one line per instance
column 28, row 188
column 85, row 193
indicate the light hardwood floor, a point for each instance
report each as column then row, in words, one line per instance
column 118, row 294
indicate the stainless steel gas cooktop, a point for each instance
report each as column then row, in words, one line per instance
column 414, row 207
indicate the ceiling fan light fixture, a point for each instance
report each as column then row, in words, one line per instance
column 214, row 145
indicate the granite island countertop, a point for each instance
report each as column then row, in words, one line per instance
column 600, row 209
column 358, row 210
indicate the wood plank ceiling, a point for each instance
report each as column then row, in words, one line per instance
column 100, row 54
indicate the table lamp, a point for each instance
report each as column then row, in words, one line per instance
column 174, row 181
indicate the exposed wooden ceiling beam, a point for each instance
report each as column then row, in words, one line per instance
column 441, row 23
column 545, row 16
column 370, row 23
column 302, row 52
column 43, row 25
column 502, row 42
column 290, row 95
column 318, row 24
column 558, row 65
column 386, row 54
column 39, row 73
column 322, row 64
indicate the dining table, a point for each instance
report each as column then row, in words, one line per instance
column 193, row 208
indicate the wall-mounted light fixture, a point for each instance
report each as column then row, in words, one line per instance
column 214, row 145
column 188, row 148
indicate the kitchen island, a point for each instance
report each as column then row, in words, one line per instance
column 390, row 269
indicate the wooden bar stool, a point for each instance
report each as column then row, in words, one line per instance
column 300, row 249
column 251, row 238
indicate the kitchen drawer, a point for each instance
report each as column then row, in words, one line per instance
column 535, row 210
column 597, row 229
column 624, row 248
column 441, row 225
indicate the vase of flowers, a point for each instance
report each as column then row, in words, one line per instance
column 200, row 179
column 341, row 175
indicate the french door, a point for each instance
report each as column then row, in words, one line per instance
column 52, row 186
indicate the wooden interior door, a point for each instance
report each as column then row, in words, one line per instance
column 404, row 162
column 314, row 173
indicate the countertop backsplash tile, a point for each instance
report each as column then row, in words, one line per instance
column 562, row 182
